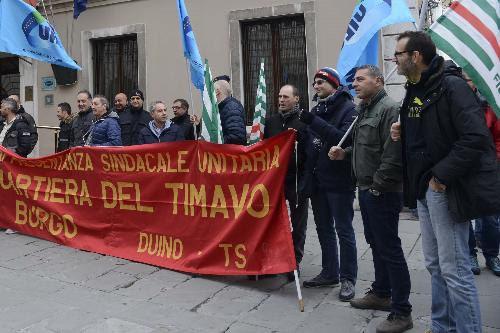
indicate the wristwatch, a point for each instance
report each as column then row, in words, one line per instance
column 374, row 192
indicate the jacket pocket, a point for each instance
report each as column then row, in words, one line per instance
column 368, row 131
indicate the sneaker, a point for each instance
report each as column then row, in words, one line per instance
column 10, row 232
column 320, row 281
column 347, row 291
column 494, row 265
column 372, row 302
column 395, row 323
column 474, row 265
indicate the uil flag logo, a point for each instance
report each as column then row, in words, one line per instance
column 25, row 32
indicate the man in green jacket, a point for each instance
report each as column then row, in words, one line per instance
column 377, row 167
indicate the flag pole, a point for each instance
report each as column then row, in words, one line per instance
column 299, row 292
column 191, row 96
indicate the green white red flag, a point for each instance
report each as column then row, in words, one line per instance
column 468, row 32
column 211, row 128
column 259, row 116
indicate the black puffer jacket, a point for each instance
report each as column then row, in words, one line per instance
column 64, row 133
column 80, row 128
column 19, row 137
column 459, row 149
column 185, row 126
column 332, row 118
column 232, row 117
column 131, row 123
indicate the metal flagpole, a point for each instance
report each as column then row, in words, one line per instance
column 348, row 132
column 191, row 96
column 299, row 292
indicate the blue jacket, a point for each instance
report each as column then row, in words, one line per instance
column 232, row 117
column 105, row 131
column 332, row 118
column 170, row 133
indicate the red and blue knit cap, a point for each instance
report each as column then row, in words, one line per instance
column 329, row 74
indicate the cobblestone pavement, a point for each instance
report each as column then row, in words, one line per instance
column 45, row 288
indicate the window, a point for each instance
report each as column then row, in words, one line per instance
column 115, row 65
column 9, row 75
column 282, row 44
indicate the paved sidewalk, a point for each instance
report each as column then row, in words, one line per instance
column 45, row 288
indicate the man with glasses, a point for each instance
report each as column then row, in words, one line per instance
column 450, row 173
column 183, row 120
column 133, row 119
column 330, row 184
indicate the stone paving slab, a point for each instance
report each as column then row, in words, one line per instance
column 47, row 288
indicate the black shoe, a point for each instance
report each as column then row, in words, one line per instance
column 474, row 265
column 320, row 281
column 494, row 265
column 347, row 291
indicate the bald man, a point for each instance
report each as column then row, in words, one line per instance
column 232, row 114
column 120, row 103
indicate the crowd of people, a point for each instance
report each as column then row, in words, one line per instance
column 437, row 152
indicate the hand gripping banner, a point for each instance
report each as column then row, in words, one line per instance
column 189, row 206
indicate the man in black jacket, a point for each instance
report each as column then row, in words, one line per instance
column 450, row 171
column 378, row 170
column 21, row 111
column 330, row 183
column 133, row 119
column 182, row 119
column 83, row 121
column 286, row 118
column 66, row 120
column 160, row 129
column 232, row 114
column 16, row 134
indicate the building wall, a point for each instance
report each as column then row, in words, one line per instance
column 165, row 70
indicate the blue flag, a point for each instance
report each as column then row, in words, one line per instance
column 25, row 32
column 190, row 47
column 361, row 39
column 78, row 7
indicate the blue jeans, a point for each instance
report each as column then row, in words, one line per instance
column 333, row 214
column 380, row 220
column 455, row 303
column 489, row 235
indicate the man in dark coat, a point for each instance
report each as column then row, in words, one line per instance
column 15, row 131
column 66, row 120
column 133, row 119
column 331, row 183
column 83, row 121
column 288, row 117
column 450, row 171
column 232, row 114
column 182, row 119
column 105, row 129
column 21, row 111
column 160, row 129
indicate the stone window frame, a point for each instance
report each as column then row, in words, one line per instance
column 86, row 44
column 236, row 59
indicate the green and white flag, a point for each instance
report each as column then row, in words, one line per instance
column 468, row 32
column 211, row 128
column 259, row 116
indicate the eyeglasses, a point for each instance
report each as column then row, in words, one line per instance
column 396, row 54
column 134, row 98
column 175, row 107
column 318, row 82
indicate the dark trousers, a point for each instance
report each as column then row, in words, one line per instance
column 489, row 235
column 333, row 214
column 298, row 215
column 380, row 220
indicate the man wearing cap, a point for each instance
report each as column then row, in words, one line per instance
column 133, row 119
column 330, row 183
column 83, row 121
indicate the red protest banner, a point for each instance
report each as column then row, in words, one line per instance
column 189, row 206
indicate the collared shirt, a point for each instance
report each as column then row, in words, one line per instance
column 157, row 131
column 7, row 126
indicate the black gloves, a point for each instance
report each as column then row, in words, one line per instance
column 306, row 117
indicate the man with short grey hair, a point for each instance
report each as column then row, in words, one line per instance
column 83, row 121
column 232, row 114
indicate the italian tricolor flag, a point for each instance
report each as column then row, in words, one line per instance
column 468, row 32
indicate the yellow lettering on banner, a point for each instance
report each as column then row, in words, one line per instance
column 105, row 186
column 125, row 195
column 246, row 164
column 181, row 161
column 265, row 202
column 198, row 199
column 219, row 205
column 162, row 246
column 226, row 248
column 23, row 182
column 276, row 158
column 148, row 157
column 37, row 217
column 259, row 160
column 175, row 188
column 238, row 204
column 55, row 190
column 243, row 260
column 140, row 164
